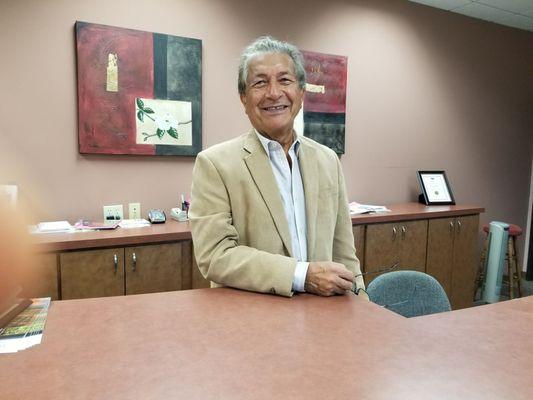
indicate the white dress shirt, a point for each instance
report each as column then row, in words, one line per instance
column 291, row 188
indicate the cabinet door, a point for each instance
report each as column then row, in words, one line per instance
column 198, row 280
column 381, row 248
column 92, row 273
column 43, row 280
column 441, row 233
column 465, row 261
column 413, row 245
column 153, row 268
column 187, row 260
column 359, row 242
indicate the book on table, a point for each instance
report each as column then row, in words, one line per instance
column 25, row 329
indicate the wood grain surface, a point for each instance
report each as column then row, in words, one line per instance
column 230, row 344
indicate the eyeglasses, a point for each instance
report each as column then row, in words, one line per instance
column 379, row 271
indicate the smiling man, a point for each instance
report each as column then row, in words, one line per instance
column 269, row 211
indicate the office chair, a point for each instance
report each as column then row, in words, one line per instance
column 408, row 293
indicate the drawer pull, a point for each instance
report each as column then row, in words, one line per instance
column 134, row 259
column 115, row 261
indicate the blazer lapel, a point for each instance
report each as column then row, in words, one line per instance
column 309, row 171
column 259, row 166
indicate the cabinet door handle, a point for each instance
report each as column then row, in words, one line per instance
column 134, row 259
column 459, row 225
column 451, row 226
column 394, row 232
column 115, row 261
column 404, row 229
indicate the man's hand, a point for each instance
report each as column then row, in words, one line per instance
column 328, row 278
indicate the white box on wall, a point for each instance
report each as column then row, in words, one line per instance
column 8, row 194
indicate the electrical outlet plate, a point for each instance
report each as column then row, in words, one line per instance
column 134, row 211
column 113, row 212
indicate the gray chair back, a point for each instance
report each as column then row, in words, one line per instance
column 409, row 293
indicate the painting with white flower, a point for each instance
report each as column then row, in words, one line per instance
column 163, row 122
column 138, row 92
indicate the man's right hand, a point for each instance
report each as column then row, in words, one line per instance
column 327, row 278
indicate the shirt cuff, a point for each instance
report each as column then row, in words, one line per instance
column 298, row 283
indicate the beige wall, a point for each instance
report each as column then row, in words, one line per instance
column 427, row 89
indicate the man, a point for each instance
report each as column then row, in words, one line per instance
column 269, row 211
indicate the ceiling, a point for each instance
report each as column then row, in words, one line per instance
column 514, row 13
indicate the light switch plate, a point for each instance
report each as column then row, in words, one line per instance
column 134, row 211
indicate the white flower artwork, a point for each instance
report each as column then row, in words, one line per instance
column 166, row 121
column 163, row 122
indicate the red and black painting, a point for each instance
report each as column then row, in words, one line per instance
column 325, row 99
column 138, row 92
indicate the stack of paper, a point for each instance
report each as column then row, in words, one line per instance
column 134, row 223
column 96, row 225
column 54, row 226
column 356, row 208
column 26, row 329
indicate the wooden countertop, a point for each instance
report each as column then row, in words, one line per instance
column 174, row 231
column 413, row 211
column 231, row 344
column 157, row 233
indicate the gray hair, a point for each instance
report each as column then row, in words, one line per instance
column 267, row 44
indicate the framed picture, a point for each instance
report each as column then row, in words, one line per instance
column 138, row 92
column 435, row 188
column 324, row 109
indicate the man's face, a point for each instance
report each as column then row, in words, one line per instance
column 272, row 97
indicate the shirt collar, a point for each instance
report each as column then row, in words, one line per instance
column 266, row 141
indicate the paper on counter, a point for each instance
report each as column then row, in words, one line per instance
column 356, row 208
column 134, row 223
column 54, row 226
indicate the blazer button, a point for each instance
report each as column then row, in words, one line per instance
column 272, row 290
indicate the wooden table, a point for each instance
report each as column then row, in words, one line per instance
column 230, row 344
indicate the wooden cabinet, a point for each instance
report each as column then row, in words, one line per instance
column 413, row 240
column 198, row 280
column 387, row 244
column 92, row 273
column 43, row 280
column 452, row 256
column 130, row 270
column 359, row 242
column 440, row 240
column 465, row 261
column 381, row 249
column 441, row 234
column 155, row 268
column 445, row 248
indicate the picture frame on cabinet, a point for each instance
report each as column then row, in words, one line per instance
column 435, row 187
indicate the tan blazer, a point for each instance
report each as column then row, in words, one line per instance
column 240, row 233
